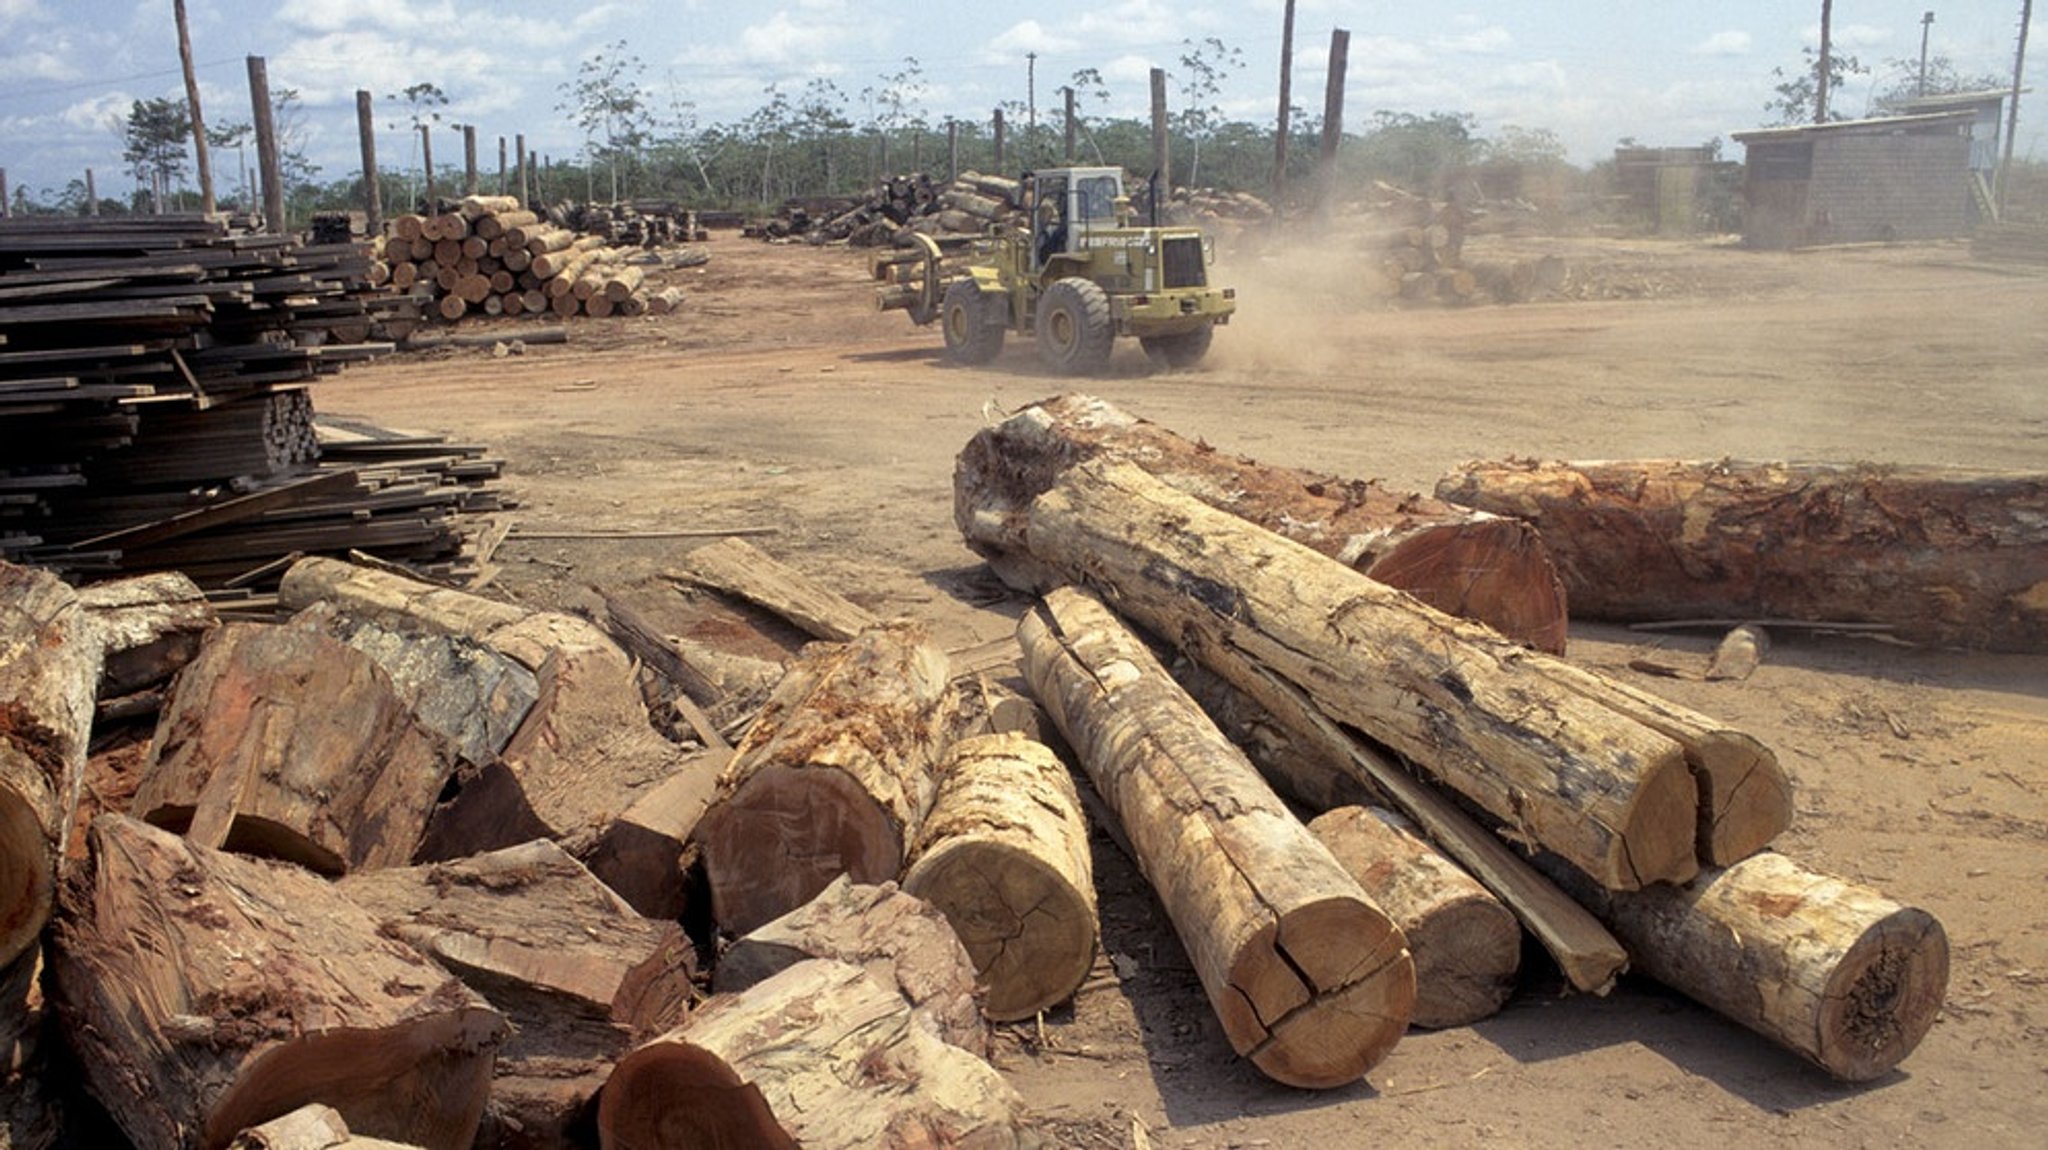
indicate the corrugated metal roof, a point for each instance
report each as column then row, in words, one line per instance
column 1883, row 124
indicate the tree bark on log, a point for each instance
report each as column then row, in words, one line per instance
column 290, row 744
column 1829, row 969
column 1480, row 566
column 1311, row 981
column 900, row 939
column 1004, row 856
column 822, row 1056
column 739, row 568
column 1467, row 946
column 206, row 993
column 580, row 974
column 1588, row 783
column 472, row 696
column 1945, row 556
column 49, row 674
column 832, row 778
column 151, row 624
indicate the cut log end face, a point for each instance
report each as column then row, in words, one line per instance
column 1884, row 996
column 784, row 835
column 1325, row 997
column 681, row 1095
column 27, row 878
column 1030, row 934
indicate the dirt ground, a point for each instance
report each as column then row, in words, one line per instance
column 777, row 398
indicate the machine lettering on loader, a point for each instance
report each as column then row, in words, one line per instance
column 1082, row 275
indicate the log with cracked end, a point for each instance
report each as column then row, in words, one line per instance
column 1312, row 982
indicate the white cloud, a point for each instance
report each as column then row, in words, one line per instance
column 37, row 64
column 1730, row 43
column 1027, row 36
column 1859, row 36
column 98, row 113
column 18, row 11
column 1490, row 40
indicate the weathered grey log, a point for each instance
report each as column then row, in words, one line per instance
column 1468, row 706
column 1312, row 982
column 151, row 624
column 49, row 674
column 899, row 938
column 822, row 1056
column 205, row 994
column 1004, row 856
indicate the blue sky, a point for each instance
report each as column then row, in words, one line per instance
column 1594, row 73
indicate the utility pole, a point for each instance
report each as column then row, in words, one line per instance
column 1333, row 119
column 469, row 159
column 999, row 139
column 373, row 194
column 524, row 168
column 266, row 148
column 1926, row 22
column 953, row 149
column 1286, row 99
column 199, row 148
column 2012, row 114
column 1067, row 152
column 1030, row 98
column 501, row 165
column 92, row 195
column 1162, row 155
column 427, row 161
column 1825, row 66
column 6, row 210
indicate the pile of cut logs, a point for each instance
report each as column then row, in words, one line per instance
column 964, row 207
column 489, row 256
column 429, row 860
column 1421, row 248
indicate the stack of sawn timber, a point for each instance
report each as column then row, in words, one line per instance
column 419, row 856
column 488, row 256
column 1654, row 817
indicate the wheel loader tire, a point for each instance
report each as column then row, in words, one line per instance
column 1074, row 329
column 970, row 338
column 1184, row 349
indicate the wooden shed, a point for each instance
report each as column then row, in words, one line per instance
column 1897, row 178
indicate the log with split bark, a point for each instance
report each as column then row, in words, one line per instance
column 290, row 744
column 151, row 624
column 1830, row 969
column 1485, row 567
column 833, row 777
column 1312, row 982
column 1467, row 946
column 50, row 657
column 1465, row 704
column 822, row 1056
column 900, row 939
column 205, row 994
column 1004, row 855
column 1948, row 556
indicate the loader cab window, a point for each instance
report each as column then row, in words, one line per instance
column 1095, row 200
column 1054, row 230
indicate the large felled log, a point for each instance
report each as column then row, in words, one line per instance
column 206, row 993
column 1480, row 566
column 823, row 1056
column 1589, row 783
column 580, row 974
column 902, row 940
column 1832, row 970
column 832, row 778
column 1312, row 982
column 1004, row 855
column 49, row 671
column 151, row 624
column 1467, row 946
column 290, row 744
column 1940, row 555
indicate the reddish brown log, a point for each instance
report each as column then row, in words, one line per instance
column 1939, row 555
column 206, row 993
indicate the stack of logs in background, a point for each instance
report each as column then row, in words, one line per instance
column 1420, row 245
column 489, row 256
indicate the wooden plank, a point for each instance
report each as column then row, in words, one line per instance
column 226, row 511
